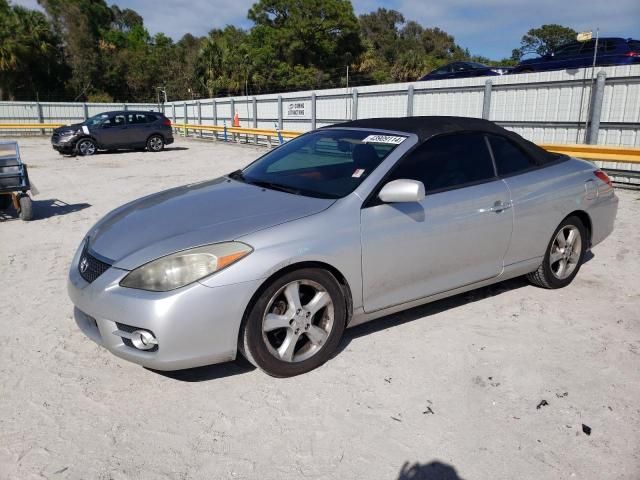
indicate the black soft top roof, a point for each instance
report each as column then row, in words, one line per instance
column 427, row 127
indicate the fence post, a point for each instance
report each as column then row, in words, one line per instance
column 215, row 117
column 85, row 109
column 313, row 111
column 40, row 116
column 280, row 120
column 186, row 120
column 486, row 100
column 199, row 115
column 254, row 100
column 125, row 107
column 233, row 116
column 354, row 108
column 410, row 101
column 596, row 109
column 173, row 114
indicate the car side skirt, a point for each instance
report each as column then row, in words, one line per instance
column 511, row 271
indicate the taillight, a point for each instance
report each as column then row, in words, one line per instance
column 632, row 54
column 166, row 122
column 604, row 177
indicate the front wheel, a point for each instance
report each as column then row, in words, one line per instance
column 563, row 257
column 86, row 146
column 155, row 143
column 295, row 324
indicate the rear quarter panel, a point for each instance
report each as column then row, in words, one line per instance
column 541, row 199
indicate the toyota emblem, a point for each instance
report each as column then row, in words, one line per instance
column 84, row 264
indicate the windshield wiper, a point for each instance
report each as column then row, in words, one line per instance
column 274, row 186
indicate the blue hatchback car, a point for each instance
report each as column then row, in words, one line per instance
column 611, row 51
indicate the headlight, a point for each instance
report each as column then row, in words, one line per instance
column 182, row 268
column 66, row 136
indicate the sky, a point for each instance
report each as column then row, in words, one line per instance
column 491, row 28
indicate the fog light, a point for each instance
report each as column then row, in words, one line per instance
column 143, row 340
column 140, row 339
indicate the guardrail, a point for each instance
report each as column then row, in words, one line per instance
column 597, row 152
column 235, row 132
column 29, row 126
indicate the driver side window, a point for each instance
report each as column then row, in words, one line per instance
column 115, row 121
column 448, row 161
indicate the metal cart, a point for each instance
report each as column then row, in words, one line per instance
column 14, row 181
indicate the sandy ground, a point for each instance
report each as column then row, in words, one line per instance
column 446, row 391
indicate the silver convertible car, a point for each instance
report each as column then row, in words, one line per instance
column 337, row 227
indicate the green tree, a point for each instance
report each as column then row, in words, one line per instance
column 31, row 63
column 223, row 61
column 381, row 31
column 301, row 41
column 80, row 23
column 544, row 39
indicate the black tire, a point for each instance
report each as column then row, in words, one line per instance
column 155, row 143
column 26, row 207
column 545, row 276
column 86, row 147
column 257, row 346
column 5, row 201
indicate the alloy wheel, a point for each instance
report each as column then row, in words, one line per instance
column 298, row 320
column 565, row 252
column 86, row 147
column 155, row 143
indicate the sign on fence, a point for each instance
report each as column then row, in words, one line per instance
column 296, row 109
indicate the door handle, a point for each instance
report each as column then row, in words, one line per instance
column 498, row 207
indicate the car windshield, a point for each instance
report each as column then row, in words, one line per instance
column 96, row 120
column 325, row 164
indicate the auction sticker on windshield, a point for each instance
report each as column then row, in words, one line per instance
column 394, row 140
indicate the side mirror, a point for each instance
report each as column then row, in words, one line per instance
column 401, row 191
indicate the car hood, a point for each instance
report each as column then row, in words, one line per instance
column 68, row 128
column 193, row 215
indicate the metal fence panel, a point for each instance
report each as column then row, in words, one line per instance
column 550, row 107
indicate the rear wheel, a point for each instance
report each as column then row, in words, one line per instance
column 86, row 146
column 155, row 143
column 295, row 324
column 26, row 207
column 563, row 257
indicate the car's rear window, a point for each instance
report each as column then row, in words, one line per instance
column 634, row 45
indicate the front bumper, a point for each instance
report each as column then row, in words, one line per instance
column 195, row 325
column 65, row 147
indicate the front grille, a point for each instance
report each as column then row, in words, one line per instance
column 90, row 267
